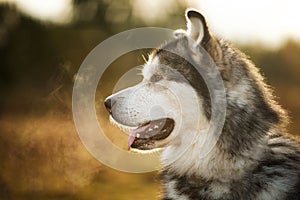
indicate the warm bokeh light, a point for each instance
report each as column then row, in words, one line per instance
column 269, row 22
column 56, row 11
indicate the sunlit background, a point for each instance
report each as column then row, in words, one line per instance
column 42, row 44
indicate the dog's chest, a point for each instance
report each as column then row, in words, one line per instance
column 190, row 188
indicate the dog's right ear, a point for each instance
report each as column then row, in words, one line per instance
column 197, row 27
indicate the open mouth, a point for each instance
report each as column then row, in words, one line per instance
column 143, row 136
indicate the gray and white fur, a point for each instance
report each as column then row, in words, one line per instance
column 254, row 158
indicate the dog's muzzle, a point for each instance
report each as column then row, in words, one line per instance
column 144, row 136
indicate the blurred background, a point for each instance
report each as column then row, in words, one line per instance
column 43, row 43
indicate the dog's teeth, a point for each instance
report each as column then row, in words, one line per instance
column 138, row 135
column 155, row 126
column 150, row 129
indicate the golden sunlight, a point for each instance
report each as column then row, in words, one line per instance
column 56, row 11
column 268, row 22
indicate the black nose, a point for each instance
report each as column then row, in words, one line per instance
column 107, row 104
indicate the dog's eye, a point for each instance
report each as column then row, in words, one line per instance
column 156, row 78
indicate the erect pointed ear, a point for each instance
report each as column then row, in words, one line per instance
column 196, row 27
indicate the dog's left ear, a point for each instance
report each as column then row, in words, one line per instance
column 197, row 28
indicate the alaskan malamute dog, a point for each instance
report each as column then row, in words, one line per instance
column 253, row 157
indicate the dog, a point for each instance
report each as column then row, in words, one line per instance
column 171, row 109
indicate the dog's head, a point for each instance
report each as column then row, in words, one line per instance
column 172, row 97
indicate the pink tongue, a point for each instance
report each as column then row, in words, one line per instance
column 131, row 138
column 136, row 131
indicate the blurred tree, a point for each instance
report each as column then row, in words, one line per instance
column 281, row 68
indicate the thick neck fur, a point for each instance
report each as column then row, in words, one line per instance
column 250, row 119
